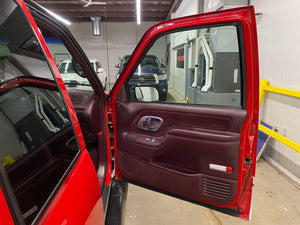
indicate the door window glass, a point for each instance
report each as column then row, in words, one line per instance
column 84, row 96
column 199, row 66
column 37, row 138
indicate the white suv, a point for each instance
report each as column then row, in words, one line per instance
column 100, row 71
column 69, row 75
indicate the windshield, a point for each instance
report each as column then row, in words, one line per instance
column 150, row 61
column 124, row 61
column 66, row 68
column 71, row 78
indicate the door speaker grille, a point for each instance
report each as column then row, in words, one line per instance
column 216, row 189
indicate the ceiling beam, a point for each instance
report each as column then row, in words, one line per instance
column 114, row 19
column 115, row 10
column 111, row 14
column 54, row 7
column 174, row 5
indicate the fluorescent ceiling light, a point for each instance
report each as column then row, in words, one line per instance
column 57, row 16
column 138, row 11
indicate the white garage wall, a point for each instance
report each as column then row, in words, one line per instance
column 278, row 39
column 122, row 38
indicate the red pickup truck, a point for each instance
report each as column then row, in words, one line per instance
column 67, row 151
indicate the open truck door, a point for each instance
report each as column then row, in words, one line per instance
column 199, row 144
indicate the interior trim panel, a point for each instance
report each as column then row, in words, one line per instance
column 194, row 153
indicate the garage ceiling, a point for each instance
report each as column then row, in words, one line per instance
column 111, row 10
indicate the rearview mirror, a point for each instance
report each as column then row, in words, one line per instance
column 146, row 94
column 117, row 65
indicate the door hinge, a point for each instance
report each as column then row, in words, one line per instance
column 247, row 161
column 110, row 118
column 109, row 111
column 109, row 114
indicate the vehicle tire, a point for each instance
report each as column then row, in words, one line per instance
column 163, row 97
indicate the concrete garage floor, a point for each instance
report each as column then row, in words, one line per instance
column 276, row 201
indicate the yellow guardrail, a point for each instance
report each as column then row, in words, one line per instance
column 263, row 87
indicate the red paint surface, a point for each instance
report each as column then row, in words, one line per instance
column 77, row 196
column 246, row 16
column 4, row 211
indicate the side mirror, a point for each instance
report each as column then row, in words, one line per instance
column 163, row 65
column 100, row 70
column 146, row 94
column 117, row 65
column 77, row 68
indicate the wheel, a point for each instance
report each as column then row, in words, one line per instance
column 163, row 97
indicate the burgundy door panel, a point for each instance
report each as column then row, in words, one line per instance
column 201, row 153
column 87, row 106
column 143, row 139
column 187, row 183
column 204, row 134
column 189, row 152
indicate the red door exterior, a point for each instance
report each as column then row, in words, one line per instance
column 5, row 213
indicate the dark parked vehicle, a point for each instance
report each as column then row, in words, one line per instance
column 150, row 72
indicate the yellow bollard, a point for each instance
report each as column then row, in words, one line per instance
column 263, row 84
